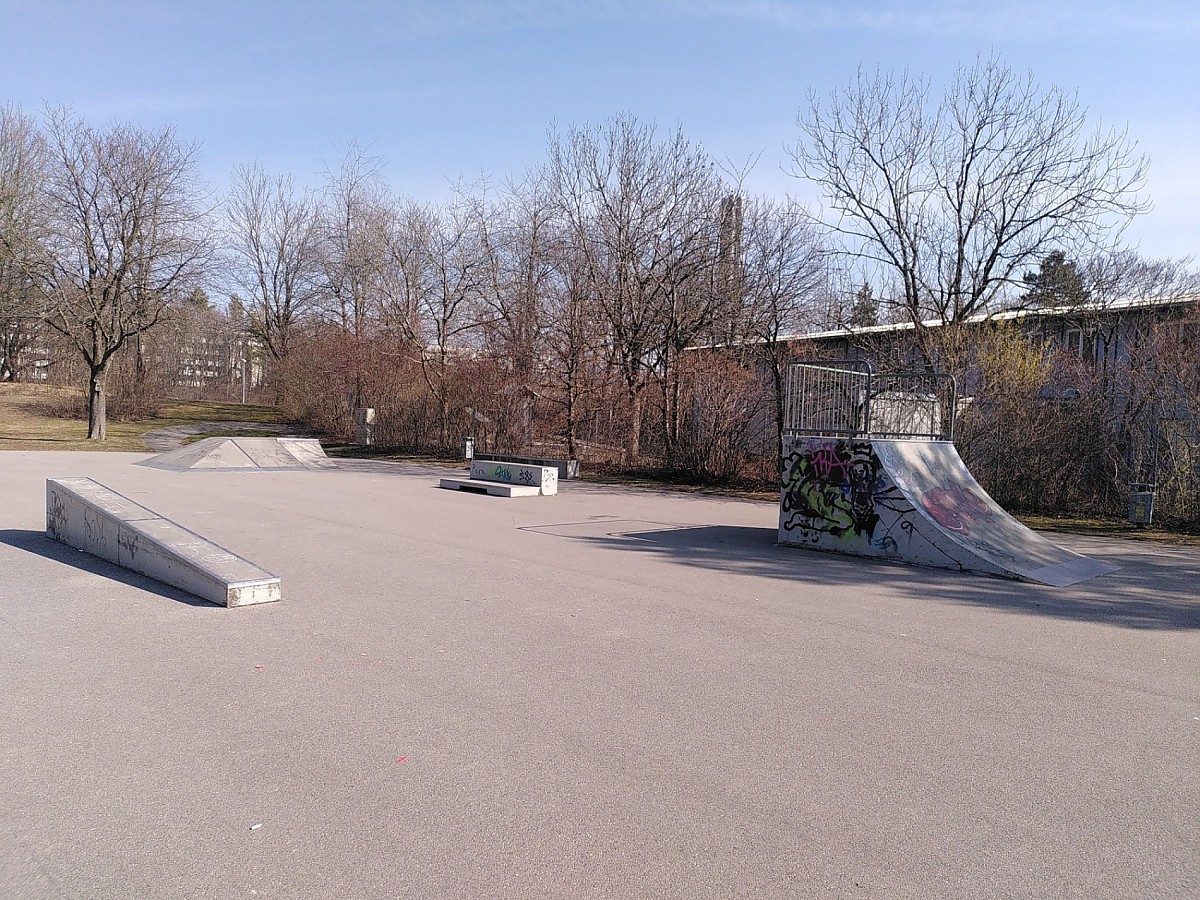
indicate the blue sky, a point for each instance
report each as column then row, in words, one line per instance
column 463, row 88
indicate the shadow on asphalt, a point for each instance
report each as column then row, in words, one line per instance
column 393, row 467
column 38, row 544
column 1153, row 589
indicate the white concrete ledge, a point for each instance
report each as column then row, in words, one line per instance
column 544, row 478
column 493, row 488
column 86, row 515
column 567, row 468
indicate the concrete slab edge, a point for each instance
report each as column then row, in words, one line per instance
column 494, row 489
column 88, row 516
column 544, row 478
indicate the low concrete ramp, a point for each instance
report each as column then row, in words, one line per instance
column 913, row 501
column 88, row 516
column 244, row 454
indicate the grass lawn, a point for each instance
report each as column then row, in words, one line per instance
column 25, row 426
column 1110, row 528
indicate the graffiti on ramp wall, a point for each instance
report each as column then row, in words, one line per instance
column 914, row 501
column 955, row 508
column 838, row 489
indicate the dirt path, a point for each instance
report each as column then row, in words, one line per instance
column 177, row 435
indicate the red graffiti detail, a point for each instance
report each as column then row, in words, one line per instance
column 825, row 460
column 954, row 508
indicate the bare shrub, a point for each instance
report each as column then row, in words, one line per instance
column 721, row 403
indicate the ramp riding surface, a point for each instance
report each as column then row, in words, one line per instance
column 913, row 501
column 245, row 453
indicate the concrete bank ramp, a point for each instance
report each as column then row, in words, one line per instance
column 914, row 501
column 88, row 516
column 224, row 454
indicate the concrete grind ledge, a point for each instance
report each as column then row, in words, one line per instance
column 88, row 516
column 492, row 488
column 544, row 478
column 567, row 468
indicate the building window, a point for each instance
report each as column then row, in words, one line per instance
column 1073, row 341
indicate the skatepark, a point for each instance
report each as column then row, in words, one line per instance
column 607, row 692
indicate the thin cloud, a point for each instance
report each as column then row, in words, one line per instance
column 436, row 16
column 1034, row 21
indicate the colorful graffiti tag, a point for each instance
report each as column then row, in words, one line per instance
column 908, row 500
column 955, row 508
column 837, row 488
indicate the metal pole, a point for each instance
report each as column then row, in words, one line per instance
column 1154, row 438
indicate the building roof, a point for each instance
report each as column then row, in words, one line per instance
column 1007, row 315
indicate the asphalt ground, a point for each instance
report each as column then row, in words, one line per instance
column 608, row 693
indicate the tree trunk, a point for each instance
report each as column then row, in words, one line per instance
column 97, row 403
column 674, row 416
column 279, row 376
column 570, row 410
column 443, row 407
column 634, row 446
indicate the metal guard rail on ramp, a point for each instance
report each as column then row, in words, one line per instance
column 847, row 398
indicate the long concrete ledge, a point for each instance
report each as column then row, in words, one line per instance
column 88, row 516
column 543, row 478
column 495, row 489
column 506, row 479
column 567, row 468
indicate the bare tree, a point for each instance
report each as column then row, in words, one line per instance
column 1126, row 275
column 1175, row 450
column 199, row 348
column 273, row 235
column 22, row 170
column 1090, row 396
column 124, row 239
column 520, row 238
column 957, row 198
column 358, row 215
column 643, row 213
column 574, row 339
column 784, row 276
column 1110, row 292
column 358, row 226
column 435, row 304
column 1128, row 359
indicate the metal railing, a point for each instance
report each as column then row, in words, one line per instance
column 848, row 399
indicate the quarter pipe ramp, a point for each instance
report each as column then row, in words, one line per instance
column 912, row 501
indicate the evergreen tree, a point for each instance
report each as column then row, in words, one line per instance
column 865, row 310
column 1057, row 282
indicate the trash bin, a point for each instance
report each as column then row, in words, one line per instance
column 1141, row 504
